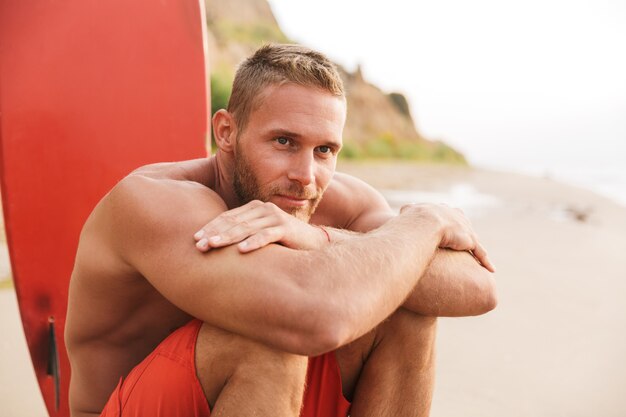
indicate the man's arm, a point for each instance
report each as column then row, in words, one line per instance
column 304, row 302
column 454, row 285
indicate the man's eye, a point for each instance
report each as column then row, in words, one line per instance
column 282, row 140
column 324, row 149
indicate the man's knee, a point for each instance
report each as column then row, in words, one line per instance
column 271, row 373
column 259, row 362
column 405, row 323
column 397, row 376
column 223, row 357
column 409, row 335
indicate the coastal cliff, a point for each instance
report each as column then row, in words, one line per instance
column 379, row 125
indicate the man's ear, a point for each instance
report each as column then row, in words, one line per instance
column 224, row 130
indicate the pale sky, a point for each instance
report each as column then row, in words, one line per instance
column 520, row 83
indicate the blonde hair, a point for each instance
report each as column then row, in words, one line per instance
column 277, row 64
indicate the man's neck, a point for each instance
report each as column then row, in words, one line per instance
column 222, row 167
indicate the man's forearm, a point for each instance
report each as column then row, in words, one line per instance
column 453, row 285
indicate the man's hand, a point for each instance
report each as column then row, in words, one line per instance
column 457, row 232
column 258, row 224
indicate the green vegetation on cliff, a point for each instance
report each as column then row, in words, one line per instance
column 387, row 147
column 221, row 86
column 249, row 34
column 6, row 283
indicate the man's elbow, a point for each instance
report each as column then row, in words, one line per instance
column 320, row 342
column 489, row 296
column 330, row 330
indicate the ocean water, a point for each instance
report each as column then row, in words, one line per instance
column 598, row 166
column 461, row 195
column 609, row 181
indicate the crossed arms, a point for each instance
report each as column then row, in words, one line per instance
column 453, row 285
column 301, row 301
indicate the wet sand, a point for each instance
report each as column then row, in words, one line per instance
column 554, row 346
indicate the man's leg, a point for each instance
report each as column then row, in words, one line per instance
column 243, row 377
column 391, row 370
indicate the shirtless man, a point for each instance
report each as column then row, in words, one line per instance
column 274, row 289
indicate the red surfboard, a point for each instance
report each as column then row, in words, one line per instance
column 89, row 90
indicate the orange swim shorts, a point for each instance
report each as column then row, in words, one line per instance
column 165, row 384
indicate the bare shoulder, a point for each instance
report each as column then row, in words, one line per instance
column 147, row 204
column 159, row 202
column 148, row 188
column 196, row 170
column 347, row 200
column 344, row 182
column 152, row 192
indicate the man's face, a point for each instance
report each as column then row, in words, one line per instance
column 288, row 151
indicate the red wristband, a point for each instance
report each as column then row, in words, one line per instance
column 325, row 232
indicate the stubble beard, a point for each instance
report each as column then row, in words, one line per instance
column 247, row 189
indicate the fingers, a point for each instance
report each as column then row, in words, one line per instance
column 235, row 234
column 469, row 242
column 480, row 254
column 461, row 236
column 260, row 239
column 238, row 224
column 229, row 219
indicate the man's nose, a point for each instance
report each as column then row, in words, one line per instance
column 303, row 170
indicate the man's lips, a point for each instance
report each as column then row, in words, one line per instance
column 293, row 201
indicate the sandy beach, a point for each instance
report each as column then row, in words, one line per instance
column 554, row 346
